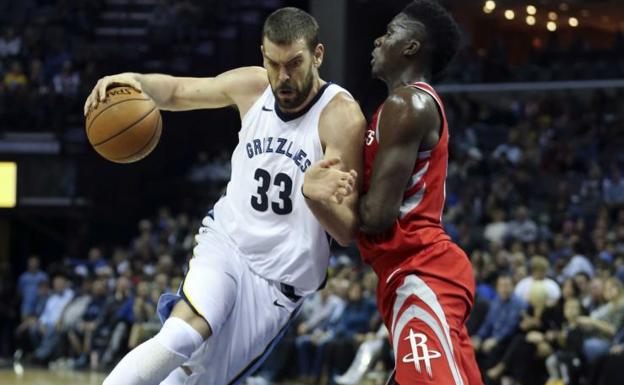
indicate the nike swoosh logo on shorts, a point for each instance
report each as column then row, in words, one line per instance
column 278, row 304
column 265, row 109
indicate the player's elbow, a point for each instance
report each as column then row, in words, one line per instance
column 376, row 221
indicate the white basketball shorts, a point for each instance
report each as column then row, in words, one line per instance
column 247, row 313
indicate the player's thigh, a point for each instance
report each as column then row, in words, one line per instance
column 210, row 287
column 258, row 320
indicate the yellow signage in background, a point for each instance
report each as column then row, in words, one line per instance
column 8, row 183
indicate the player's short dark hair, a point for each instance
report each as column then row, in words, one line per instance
column 442, row 32
column 289, row 24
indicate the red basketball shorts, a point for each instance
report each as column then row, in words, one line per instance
column 425, row 300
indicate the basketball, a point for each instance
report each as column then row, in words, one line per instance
column 125, row 127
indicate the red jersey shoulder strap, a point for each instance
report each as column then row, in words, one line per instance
column 429, row 90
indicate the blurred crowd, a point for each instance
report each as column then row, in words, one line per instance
column 52, row 52
column 45, row 61
column 536, row 197
column 87, row 312
column 548, row 60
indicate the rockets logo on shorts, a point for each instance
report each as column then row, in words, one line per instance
column 419, row 340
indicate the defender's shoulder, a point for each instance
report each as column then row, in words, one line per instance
column 411, row 100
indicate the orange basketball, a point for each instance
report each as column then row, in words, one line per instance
column 125, row 127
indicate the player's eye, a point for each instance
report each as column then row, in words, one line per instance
column 294, row 64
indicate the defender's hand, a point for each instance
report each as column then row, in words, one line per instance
column 98, row 94
column 324, row 181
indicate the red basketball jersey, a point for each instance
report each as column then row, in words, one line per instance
column 419, row 223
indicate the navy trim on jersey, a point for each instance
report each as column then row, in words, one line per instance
column 184, row 298
column 288, row 116
column 256, row 362
column 289, row 291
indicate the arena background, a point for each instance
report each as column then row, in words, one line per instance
column 535, row 108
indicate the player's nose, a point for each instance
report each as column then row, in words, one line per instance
column 283, row 75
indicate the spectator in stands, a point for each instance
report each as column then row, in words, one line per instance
column 80, row 335
column 611, row 372
column 522, row 228
column 539, row 269
column 509, row 151
column 67, row 82
column 523, row 360
column 10, row 43
column 49, row 320
column 27, row 286
column 593, row 298
column 563, row 365
column 319, row 329
column 613, row 188
column 500, row 323
column 145, row 320
column 579, row 263
column 604, row 322
column 15, row 79
column 497, row 229
column 359, row 318
column 113, row 325
column 27, row 332
column 72, row 314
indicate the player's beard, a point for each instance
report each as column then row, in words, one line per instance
column 299, row 97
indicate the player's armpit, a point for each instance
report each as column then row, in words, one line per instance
column 341, row 130
column 407, row 116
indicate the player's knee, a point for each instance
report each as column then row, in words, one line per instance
column 183, row 311
column 179, row 337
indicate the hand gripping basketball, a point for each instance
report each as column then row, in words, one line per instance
column 98, row 94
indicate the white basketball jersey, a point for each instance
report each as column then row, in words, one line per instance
column 263, row 211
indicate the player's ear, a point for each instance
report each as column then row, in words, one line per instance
column 318, row 54
column 412, row 47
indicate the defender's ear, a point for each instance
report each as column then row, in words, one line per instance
column 412, row 48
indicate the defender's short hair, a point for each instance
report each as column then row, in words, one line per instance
column 289, row 24
column 443, row 36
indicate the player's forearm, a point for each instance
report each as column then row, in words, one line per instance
column 374, row 219
column 339, row 220
column 161, row 88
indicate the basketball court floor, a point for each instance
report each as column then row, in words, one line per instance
column 49, row 377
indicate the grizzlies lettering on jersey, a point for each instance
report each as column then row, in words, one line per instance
column 278, row 146
column 263, row 211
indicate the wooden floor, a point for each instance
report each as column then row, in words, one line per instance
column 49, row 377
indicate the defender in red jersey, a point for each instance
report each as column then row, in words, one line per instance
column 426, row 285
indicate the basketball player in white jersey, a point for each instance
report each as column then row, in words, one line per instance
column 265, row 246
